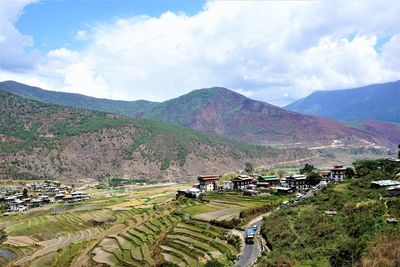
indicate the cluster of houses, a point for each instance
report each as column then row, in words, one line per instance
column 252, row 185
column 40, row 194
column 392, row 187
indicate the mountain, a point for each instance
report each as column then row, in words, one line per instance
column 126, row 108
column 387, row 130
column 374, row 102
column 223, row 112
column 46, row 140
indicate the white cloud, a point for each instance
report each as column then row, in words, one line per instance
column 16, row 49
column 81, row 35
column 273, row 51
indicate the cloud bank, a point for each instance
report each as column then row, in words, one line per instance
column 271, row 51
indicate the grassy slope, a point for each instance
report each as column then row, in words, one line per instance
column 302, row 234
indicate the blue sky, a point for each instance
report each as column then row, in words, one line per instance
column 54, row 23
column 274, row 51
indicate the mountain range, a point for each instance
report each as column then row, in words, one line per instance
column 220, row 111
column 52, row 141
column 373, row 102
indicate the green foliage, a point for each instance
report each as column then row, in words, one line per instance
column 313, row 178
column 248, row 167
column 307, row 169
column 213, row 263
column 349, row 172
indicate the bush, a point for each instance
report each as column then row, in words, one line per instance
column 213, row 263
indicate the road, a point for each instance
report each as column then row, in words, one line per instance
column 251, row 251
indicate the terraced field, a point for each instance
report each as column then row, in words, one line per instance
column 193, row 245
column 227, row 205
column 47, row 227
column 52, row 232
column 135, row 245
column 9, row 253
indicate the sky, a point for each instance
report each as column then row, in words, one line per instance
column 273, row 51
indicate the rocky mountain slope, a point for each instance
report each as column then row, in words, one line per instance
column 387, row 130
column 45, row 140
column 374, row 102
column 220, row 111
column 223, row 112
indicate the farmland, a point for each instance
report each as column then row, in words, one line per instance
column 134, row 226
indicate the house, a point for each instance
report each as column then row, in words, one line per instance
column 17, row 205
column 227, row 185
column 37, row 202
column 189, row 193
column 326, row 175
column 68, row 198
column 384, row 183
column 241, row 182
column 393, row 191
column 282, row 190
column 330, row 212
column 208, row 183
column 392, row 220
column 268, row 181
column 79, row 196
column 338, row 173
column 296, row 182
column 59, row 197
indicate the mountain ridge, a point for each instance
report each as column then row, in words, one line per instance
column 223, row 112
column 121, row 107
column 374, row 102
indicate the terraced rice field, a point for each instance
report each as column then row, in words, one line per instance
column 134, row 246
column 52, row 232
column 193, row 245
column 47, row 227
column 9, row 254
column 227, row 205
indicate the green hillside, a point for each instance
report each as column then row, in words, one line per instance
column 126, row 108
column 39, row 139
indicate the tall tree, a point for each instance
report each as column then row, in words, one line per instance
column 25, row 193
column 313, row 178
column 248, row 167
column 308, row 168
column 349, row 172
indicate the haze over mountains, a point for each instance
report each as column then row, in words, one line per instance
column 372, row 102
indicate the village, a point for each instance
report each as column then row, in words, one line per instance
column 33, row 195
column 251, row 184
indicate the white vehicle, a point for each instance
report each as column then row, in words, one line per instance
column 255, row 227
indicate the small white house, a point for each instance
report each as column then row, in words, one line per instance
column 227, row 185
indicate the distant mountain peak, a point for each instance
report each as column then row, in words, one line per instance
column 376, row 102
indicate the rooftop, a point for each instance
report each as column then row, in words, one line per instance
column 268, row 178
column 296, row 177
column 208, row 178
column 386, row 183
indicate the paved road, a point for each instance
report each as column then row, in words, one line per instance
column 251, row 251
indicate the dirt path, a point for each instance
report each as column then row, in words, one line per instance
column 297, row 161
